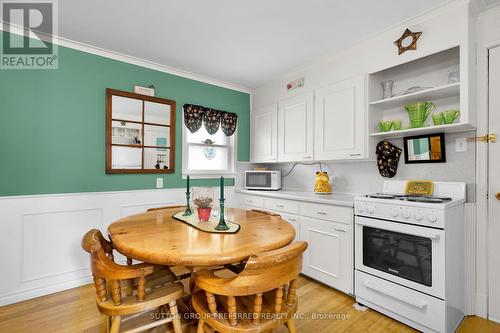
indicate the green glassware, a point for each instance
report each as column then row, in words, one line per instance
column 437, row 119
column 396, row 125
column 385, row 126
column 450, row 116
column 419, row 112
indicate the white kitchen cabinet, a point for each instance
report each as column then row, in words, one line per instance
column 295, row 128
column 339, row 120
column 329, row 256
column 264, row 134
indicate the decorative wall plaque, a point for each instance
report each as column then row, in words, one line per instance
column 408, row 41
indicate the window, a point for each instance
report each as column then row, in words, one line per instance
column 207, row 156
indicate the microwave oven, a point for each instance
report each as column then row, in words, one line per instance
column 263, row 180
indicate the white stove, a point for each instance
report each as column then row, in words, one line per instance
column 409, row 254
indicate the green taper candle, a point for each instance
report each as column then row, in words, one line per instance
column 222, row 188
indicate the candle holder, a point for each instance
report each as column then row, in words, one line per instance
column 188, row 211
column 222, row 222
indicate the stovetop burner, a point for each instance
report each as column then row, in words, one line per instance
column 408, row 197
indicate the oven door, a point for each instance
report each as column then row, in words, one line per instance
column 412, row 256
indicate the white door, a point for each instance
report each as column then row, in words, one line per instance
column 329, row 256
column 494, row 187
column 339, row 120
column 264, row 134
column 295, row 129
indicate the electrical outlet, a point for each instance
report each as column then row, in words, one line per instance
column 461, row 145
column 159, row 182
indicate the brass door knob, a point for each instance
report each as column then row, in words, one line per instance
column 497, row 195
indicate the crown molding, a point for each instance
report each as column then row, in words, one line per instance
column 65, row 42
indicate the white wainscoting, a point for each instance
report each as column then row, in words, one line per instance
column 40, row 235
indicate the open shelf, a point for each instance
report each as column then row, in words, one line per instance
column 458, row 127
column 430, row 94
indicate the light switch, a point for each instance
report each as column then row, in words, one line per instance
column 461, row 145
column 159, row 182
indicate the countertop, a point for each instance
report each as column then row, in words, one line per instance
column 338, row 199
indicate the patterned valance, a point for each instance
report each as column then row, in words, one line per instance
column 195, row 115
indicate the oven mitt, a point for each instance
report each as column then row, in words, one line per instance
column 387, row 158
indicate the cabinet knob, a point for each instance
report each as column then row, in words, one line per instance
column 497, row 195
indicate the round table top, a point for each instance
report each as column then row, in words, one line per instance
column 156, row 237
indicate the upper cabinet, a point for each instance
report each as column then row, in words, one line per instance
column 439, row 80
column 264, row 134
column 339, row 120
column 295, row 128
column 140, row 133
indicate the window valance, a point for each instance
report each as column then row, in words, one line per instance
column 195, row 116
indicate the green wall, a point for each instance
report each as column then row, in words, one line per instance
column 52, row 124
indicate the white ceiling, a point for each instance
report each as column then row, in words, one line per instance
column 241, row 42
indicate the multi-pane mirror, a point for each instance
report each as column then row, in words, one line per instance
column 140, row 133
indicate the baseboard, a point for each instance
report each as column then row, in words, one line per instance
column 33, row 293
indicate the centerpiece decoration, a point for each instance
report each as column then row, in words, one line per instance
column 203, row 200
column 202, row 218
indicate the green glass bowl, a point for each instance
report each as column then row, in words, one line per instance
column 438, row 119
column 385, row 126
column 449, row 116
column 396, row 125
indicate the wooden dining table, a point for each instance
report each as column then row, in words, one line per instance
column 156, row 237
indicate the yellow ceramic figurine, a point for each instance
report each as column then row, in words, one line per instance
column 322, row 183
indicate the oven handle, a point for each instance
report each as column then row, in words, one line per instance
column 419, row 304
column 421, row 233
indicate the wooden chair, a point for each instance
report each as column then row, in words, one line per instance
column 117, row 297
column 254, row 300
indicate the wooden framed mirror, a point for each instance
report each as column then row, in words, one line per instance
column 140, row 133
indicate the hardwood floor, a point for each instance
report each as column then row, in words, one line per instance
column 75, row 311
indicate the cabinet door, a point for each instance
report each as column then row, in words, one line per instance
column 295, row 124
column 329, row 256
column 340, row 121
column 264, row 134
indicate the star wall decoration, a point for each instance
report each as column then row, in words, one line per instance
column 405, row 47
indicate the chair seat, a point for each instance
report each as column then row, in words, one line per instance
column 244, row 310
column 154, row 298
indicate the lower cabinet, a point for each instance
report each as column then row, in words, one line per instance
column 329, row 256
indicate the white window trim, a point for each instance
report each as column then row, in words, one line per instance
column 207, row 174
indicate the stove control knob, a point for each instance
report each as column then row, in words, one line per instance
column 405, row 213
column 418, row 216
column 432, row 217
column 361, row 209
column 371, row 209
column 394, row 212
